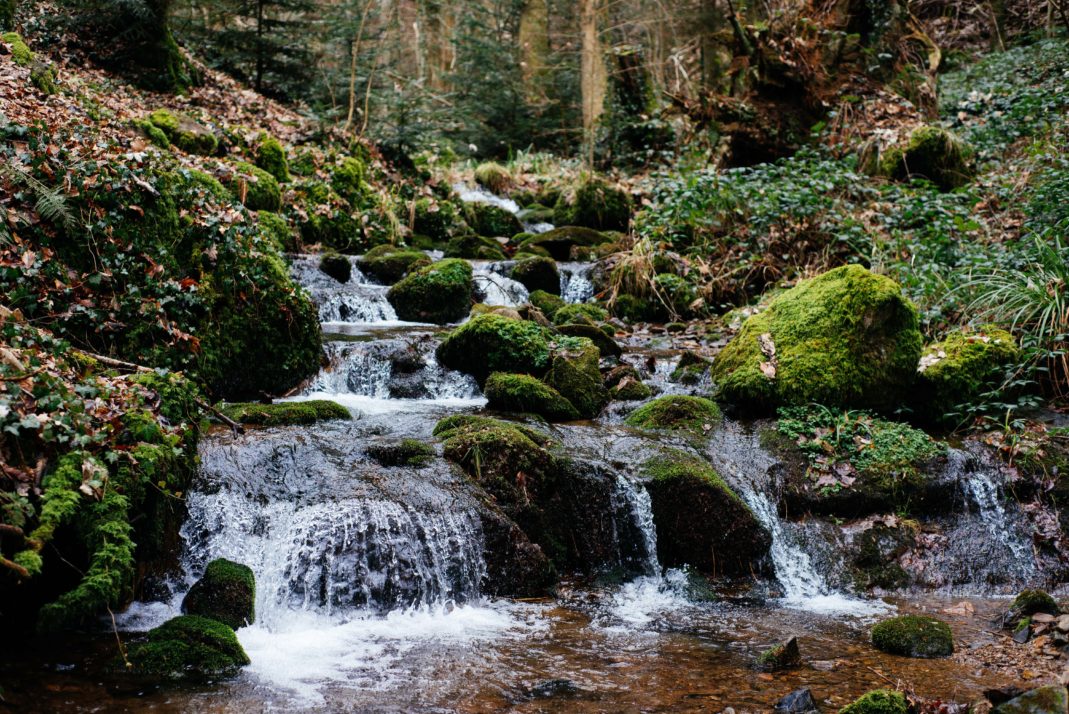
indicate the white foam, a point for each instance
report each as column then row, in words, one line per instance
column 375, row 405
column 308, row 653
column 641, row 601
column 478, row 194
column 836, row 604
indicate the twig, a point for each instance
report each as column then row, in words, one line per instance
column 23, row 573
column 118, row 640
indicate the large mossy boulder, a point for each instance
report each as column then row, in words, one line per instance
column 700, row 521
column 559, row 242
column 845, row 338
column 491, row 221
column 574, row 373
column 388, row 264
column 913, row 636
column 1029, row 602
column 956, row 371
column 1051, row 699
column 524, row 393
column 594, row 203
column 494, row 343
column 693, row 415
column 255, row 188
column 271, row 157
column 931, row 153
column 607, row 346
column 493, row 177
column 226, row 592
column 184, row 132
column 436, row 219
column 286, row 413
column 189, row 647
column 537, row 273
column 438, row 293
column 473, row 247
column 878, row 701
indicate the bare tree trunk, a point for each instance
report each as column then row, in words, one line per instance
column 358, row 40
column 534, row 48
column 592, row 72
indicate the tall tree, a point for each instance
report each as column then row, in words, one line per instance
column 593, row 78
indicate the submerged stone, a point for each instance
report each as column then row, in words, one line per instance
column 226, row 592
column 782, row 656
column 913, row 636
column 800, row 701
column 1051, row 699
column 846, row 338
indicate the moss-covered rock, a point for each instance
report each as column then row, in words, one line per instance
column 594, row 203
column 491, row 221
column 151, row 132
column 537, row 273
column 694, row 415
column 1051, row 699
column 226, row 592
column 630, row 389
column 1029, row 602
column 779, row 657
column 932, row 153
column 282, row 413
column 878, row 701
column 185, row 133
column 548, row 303
column 492, row 343
column 493, row 177
column 255, row 188
column 438, row 293
column 336, row 266
column 406, row 452
column 42, row 77
column 913, row 636
column 349, row 179
column 574, row 373
column 473, row 247
column 388, row 264
column 691, row 369
column 700, row 521
column 271, row 157
column 845, row 338
column 20, row 51
column 560, row 242
column 607, row 346
column 436, row 219
column 877, row 551
column 278, row 230
column 327, row 218
column 963, row 366
column 189, row 647
column 579, row 313
column 637, row 309
column 524, row 393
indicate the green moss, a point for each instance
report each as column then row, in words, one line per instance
column 560, row 243
column 189, row 647
column 226, row 592
column 577, row 311
column 184, row 133
column 677, row 413
column 691, row 369
column 493, row 177
column 336, row 266
column 1029, row 602
column 631, row 389
column 524, row 393
column 636, row 309
column 255, row 188
column 406, row 452
column 845, row 338
column 1049, row 699
column 436, row 219
column 492, row 343
column 574, row 373
column 546, row 302
column 349, row 180
column 961, row 368
column 607, row 346
column 445, row 427
column 152, row 132
column 438, row 293
column 277, row 230
column 932, row 153
column 20, row 52
column 474, row 247
column 913, row 636
column 594, row 203
column 491, row 221
column 388, row 264
column 42, row 77
column 281, row 413
column 879, row 701
column 537, row 274
column 271, row 157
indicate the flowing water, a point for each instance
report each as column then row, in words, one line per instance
column 371, row 579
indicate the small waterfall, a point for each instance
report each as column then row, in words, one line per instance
column 632, row 505
column 478, row 194
column 980, row 487
column 575, row 284
column 340, row 556
column 494, row 287
column 356, row 301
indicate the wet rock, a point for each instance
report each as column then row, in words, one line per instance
column 547, row 303
column 406, row 452
column 524, row 393
column 515, row 567
column 285, row 413
column 693, row 415
column 336, row 266
column 782, row 656
column 408, row 386
column 913, row 636
column 1029, row 602
column 491, row 221
column 594, row 203
column 537, row 273
column 189, row 647
column 1023, row 633
column 388, row 264
column 700, row 521
column 553, row 688
column 846, row 338
column 575, row 374
column 630, row 389
column 560, row 241
column 607, row 346
column 226, row 592
column 584, row 313
column 1002, row 694
column 494, row 343
column 878, row 548
column 800, row 701
column 1053, row 699
column 691, row 369
column 438, row 293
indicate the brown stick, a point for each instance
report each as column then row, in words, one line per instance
column 23, row 573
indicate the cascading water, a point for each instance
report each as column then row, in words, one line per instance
column 575, row 284
column 356, row 301
column 493, row 285
column 478, row 194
